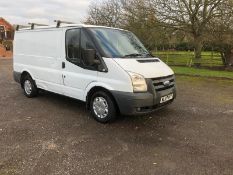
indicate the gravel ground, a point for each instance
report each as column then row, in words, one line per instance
column 52, row 134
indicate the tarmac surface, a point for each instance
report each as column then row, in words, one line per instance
column 55, row 135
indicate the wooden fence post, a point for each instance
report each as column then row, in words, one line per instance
column 167, row 58
column 192, row 57
column 212, row 57
column 189, row 60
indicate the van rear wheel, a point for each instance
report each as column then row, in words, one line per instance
column 102, row 107
column 29, row 87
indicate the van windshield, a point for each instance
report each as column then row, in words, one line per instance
column 119, row 43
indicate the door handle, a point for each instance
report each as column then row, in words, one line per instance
column 63, row 65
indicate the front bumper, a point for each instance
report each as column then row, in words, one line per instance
column 17, row 76
column 141, row 103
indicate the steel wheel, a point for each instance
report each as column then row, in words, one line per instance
column 100, row 107
column 28, row 87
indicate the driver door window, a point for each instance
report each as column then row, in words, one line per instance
column 86, row 43
column 77, row 40
column 73, row 53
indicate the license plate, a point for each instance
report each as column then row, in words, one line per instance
column 166, row 98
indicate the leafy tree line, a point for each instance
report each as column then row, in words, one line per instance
column 194, row 24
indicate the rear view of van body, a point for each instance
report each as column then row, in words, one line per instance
column 107, row 68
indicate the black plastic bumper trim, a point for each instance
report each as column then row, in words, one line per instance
column 141, row 103
column 17, row 76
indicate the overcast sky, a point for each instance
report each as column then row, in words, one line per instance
column 43, row 11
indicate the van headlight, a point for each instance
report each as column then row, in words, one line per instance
column 138, row 82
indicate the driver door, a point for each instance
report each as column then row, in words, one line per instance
column 76, row 74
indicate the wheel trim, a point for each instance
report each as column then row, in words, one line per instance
column 28, row 87
column 100, row 107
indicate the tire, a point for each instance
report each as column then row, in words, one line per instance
column 29, row 87
column 102, row 107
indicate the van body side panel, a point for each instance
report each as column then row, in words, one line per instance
column 76, row 79
column 116, row 77
column 38, row 52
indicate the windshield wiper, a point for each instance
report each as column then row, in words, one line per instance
column 133, row 55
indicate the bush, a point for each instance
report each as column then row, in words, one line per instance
column 8, row 44
column 184, row 47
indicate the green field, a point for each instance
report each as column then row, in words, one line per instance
column 202, row 72
column 185, row 58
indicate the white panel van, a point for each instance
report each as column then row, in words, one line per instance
column 107, row 68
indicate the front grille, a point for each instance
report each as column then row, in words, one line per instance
column 160, row 83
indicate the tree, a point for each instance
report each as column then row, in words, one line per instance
column 171, row 22
column 190, row 16
column 220, row 32
column 134, row 15
column 221, row 38
column 141, row 21
column 107, row 13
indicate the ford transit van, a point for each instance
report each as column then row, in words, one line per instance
column 107, row 68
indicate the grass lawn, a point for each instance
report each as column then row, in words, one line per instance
column 202, row 72
column 184, row 58
column 179, row 59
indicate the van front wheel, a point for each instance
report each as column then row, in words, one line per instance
column 29, row 87
column 102, row 107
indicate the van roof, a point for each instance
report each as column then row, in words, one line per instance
column 65, row 26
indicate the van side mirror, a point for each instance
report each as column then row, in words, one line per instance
column 90, row 57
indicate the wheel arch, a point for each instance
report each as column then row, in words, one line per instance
column 23, row 74
column 96, row 89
